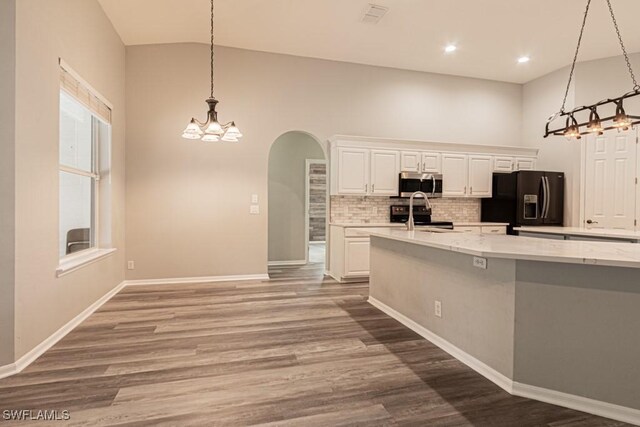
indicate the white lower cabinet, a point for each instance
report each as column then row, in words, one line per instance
column 356, row 257
column 349, row 250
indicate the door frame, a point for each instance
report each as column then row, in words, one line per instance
column 307, row 195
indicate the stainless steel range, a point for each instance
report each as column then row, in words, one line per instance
column 421, row 216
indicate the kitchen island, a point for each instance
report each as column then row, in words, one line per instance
column 557, row 321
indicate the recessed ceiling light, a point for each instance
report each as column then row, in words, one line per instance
column 450, row 48
column 523, row 59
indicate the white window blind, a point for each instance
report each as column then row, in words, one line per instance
column 84, row 93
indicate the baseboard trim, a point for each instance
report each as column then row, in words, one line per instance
column 579, row 403
column 49, row 342
column 7, row 370
column 483, row 369
column 202, row 279
column 287, row 263
column 571, row 401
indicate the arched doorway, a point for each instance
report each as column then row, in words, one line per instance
column 297, row 186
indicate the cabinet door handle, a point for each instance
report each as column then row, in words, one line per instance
column 373, row 188
column 465, row 190
column 471, row 190
column 424, row 167
column 366, row 188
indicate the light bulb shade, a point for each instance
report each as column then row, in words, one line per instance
column 621, row 120
column 193, row 127
column 214, row 128
column 595, row 124
column 186, row 135
column 211, row 138
column 572, row 130
column 233, row 130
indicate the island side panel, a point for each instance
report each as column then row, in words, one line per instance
column 578, row 330
column 477, row 305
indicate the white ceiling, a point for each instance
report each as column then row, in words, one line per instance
column 490, row 34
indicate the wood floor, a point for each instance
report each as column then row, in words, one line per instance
column 296, row 350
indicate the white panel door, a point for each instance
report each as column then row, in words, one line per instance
column 356, row 255
column 410, row 161
column 353, row 170
column 431, row 162
column 480, row 176
column 454, row 175
column 610, row 186
column 385, row 171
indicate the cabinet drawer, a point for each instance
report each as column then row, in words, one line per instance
column 494, row 230
column 468, row 229
column 354, row 232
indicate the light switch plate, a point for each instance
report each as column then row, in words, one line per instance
column 480, row 262
column 254, row 209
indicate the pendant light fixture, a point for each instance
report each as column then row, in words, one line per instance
column 212, row 130
column 595, row 125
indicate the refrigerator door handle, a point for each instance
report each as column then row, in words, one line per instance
column 544, row 198
column 547, row 197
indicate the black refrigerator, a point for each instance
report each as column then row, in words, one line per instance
column 526, row 198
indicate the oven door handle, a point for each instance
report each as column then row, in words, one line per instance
column 433, row 185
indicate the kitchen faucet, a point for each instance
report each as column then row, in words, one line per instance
column 410, row 225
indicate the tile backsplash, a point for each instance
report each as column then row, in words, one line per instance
column 362, row 209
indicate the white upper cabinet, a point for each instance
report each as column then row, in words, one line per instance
column 503, row 164
column 367, row 166
column 410, row 161
column 353, row 170
column 525, row 164
column 480, row 176
column 431, row 163
column 454, row 175
column 385, row 168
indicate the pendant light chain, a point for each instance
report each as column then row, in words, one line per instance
column 575, row 57
column 211, row 48
column 636, row 87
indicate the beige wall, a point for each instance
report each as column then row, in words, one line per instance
column 287, row 194
column 80, row 33
column 188, row 202
column 7, row 178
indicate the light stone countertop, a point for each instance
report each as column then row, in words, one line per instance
column 588, row 232
column 522, row 248
column 399, row 225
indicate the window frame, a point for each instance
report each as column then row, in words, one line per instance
column 101, row 141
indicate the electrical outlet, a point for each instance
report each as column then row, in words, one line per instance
column 480, row 262
column 254, row 209
column 438, row 309
column 254, row 198
column 131, row 265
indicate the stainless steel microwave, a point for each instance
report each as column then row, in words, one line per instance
column 429, row 183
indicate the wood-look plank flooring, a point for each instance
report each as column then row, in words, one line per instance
column 299, row 349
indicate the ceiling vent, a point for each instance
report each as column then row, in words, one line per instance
column 374, row 13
